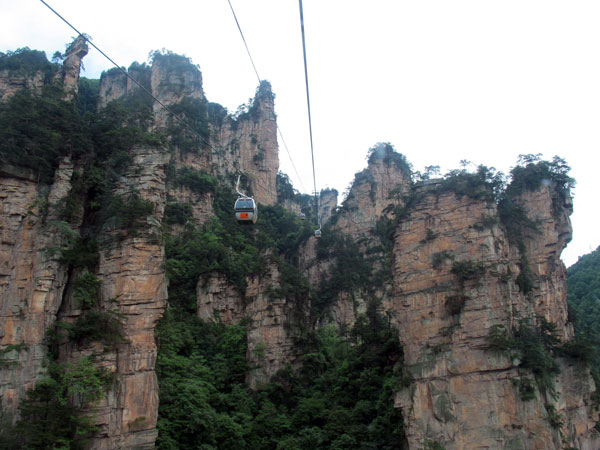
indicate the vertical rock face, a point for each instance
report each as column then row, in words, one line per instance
column 246, row 144
column 132, row 272
column 171, row 81
column 133, row 284
column 115, row 84
column 252, row 141
column 11, row 82
column 462, row 392
column 72, row 65
column 32, row 279
column 270, row 341
column 375, row 191
column 327, row 204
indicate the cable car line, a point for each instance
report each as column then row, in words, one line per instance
column 107, row 57
column 180, row 119
column 312, row 152
column 259, row 80
column 245, row 207
column 244, row 39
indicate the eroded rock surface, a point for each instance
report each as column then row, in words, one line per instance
column 462, row 392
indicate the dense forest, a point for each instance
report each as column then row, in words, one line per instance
column 583, row 295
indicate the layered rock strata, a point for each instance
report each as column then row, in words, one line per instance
column 269, row 319
column 32, row 278
column 464, row 395
column 246, row 144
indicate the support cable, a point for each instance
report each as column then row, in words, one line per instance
column 180, row 119
column 312, row 152
column 259, row 81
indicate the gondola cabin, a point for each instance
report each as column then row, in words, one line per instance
column 245, row 210
column 317, row 234
column 302, row 216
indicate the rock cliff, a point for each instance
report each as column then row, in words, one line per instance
column 32, row 279
column 456, row 277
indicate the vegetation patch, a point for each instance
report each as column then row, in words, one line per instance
column 49, row 417
column 198, row 181
column 536, row 347
column 468, row 270
column 342, row 397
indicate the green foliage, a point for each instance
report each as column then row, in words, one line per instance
column 438, row 258
column 236, row 251
column 516, row 222
column 172, row 61
column 123, row 123
column 535, row 346
column 49, row 418
column 485, row 184
column 385, row 151
column 179, row 213
column 87, row 95
column 82, row 253
column 526, row 388
column 189, row 124
column 468, row 270
column 250, row 111
column 583, row 297
column 555, row 418
column 532, row 172
column 98, row 326
column 525, row 280
column 36, row 131
column 11, row 347
column 433, row 445
column 342, row 398
column 196, row 180
column 26, row 62
column 352, row 271
column 285, row 189
column 455, row 304
column 86, row 290
column 127, row 212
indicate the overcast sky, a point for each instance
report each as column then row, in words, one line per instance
column 441, row 80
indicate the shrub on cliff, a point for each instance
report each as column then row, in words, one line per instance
column 51, row 414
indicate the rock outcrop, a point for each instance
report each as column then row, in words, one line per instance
column 72, row 66
column 227, row 146
column 462, row 392
column 32, row 278
column 269, row 316
column 12, row 82
column 133, row 279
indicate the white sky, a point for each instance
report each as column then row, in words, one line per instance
column 440, row 80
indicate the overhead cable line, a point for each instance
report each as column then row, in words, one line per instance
column 244, row 39
column 181, row 120
column 312, row 151
column 259, row 81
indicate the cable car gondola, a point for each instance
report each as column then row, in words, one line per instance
column 302, row 216
column 245, row 208
column 318, row 233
